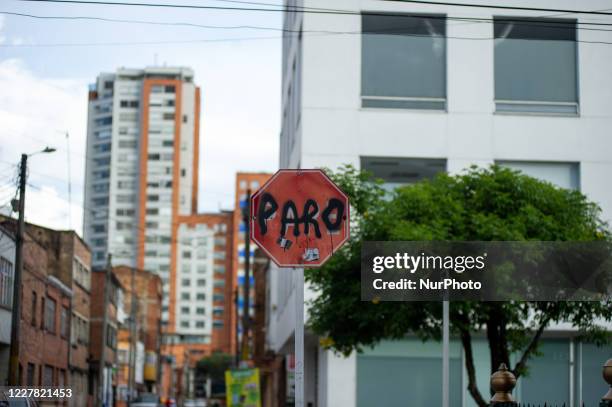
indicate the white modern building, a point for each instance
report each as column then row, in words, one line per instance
column 194, row 277
column 7, row 273
column 406, row 90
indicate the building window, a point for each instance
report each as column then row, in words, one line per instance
column 31, row 374
column 185, row 282
column 200, row 311
column 104, row 121
column 64, row 327
column 535, row 66
column 398, row 171
column 201, row 282
column 129, row 103
column 200, row 296
column 111, row 337
column 184, row 324
column 199, row 324
column 184, row 310
column 6, row 282
column 560, row 174
column 403, row 61
column 185, row 296
column 50, row 306
column 127, row 143
column 34, row 305
column 47, row 377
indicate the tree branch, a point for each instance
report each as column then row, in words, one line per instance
column 533, row 344
column 466, row 341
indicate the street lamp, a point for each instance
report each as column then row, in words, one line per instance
column 16, row 310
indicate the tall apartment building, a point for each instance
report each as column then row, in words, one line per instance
column 408, row 90
column 141, row 205
column 245, row 181
column 141, row 172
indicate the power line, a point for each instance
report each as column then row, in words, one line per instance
column 114, row 44
column 316, row 11
column 531, row 22
column 541, row 22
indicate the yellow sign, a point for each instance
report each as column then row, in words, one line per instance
column 242, row 388
column 150, row 367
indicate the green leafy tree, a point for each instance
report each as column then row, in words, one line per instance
column 478, row 205
column 214, row 366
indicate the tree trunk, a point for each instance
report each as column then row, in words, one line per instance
column 466, row 341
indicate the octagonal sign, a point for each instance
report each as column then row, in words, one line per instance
column 299, row 218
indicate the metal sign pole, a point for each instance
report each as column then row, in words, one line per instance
column 445, row 353
column 299, row 337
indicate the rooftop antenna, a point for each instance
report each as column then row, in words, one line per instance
column 69, row 182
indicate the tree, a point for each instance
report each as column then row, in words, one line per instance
column 213, row 367
column 478, row 205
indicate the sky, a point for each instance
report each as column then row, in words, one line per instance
column 46, row 66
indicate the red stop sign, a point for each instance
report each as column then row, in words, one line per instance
column 299, row 218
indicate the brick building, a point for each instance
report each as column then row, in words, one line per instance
column 45, row 313
column 145, row 289
column 115, row 318
column 69, row 260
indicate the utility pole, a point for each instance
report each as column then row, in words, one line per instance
column 246, row 318
column 107, row 283
column 16, row 311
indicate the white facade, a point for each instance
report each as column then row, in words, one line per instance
column 7, row 272
column 140, row 172
column 195, row 267
column 325, row 124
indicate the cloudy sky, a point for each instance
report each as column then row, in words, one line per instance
column 47, row 63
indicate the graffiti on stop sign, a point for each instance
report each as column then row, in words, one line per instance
column 299, row 218
column 331, row 217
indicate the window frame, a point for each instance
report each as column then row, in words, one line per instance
column 415, row 99
column 48, row 315
column 525, row 103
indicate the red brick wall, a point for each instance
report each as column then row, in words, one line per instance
column 38, row 346
column 96, row 317
column 148, row 288
column 73, row 247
